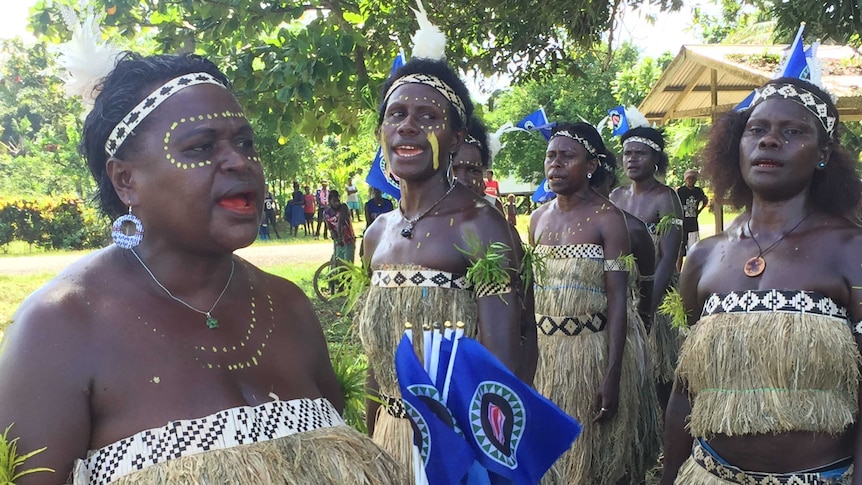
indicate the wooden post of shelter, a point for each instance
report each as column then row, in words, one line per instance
column 717, row 208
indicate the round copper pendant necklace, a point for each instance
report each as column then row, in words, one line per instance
column 756, row 265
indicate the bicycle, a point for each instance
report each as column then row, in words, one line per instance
column 324, row 281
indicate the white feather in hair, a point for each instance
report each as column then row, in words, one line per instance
column 635, row 118
column 86, row 58
column 429, row 42
column 495, row 143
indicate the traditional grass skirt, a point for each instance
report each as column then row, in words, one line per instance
column 703, row 467
column 298, row 442
column 771, row 361
column 406, row 294
column 573, row 353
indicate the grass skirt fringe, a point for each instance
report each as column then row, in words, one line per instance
column 337, row 455
column 570, row 370
column 649, row 420
column 770, row 372
column 381, row 326
column 664, row 348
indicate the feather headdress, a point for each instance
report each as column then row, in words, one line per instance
column 495, row 143
column 429, row 42
column 86, row 58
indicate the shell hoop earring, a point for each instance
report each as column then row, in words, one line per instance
column 120, row 237
column 452, row 180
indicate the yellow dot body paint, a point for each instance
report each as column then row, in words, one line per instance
column 435, row 149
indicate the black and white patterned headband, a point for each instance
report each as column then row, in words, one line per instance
column 434, row 82
column 150, row 103
column 645, row 141
column 801, row 96
column 472, row 140
column 578, row 138
column 587, row 146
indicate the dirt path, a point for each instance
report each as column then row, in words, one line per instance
column 262, row 255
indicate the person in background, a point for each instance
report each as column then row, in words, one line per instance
column 352, row 199
column 308, row 210
column 492, row 187
column 693, row 201
column 321, row 199
column 343, row 238
column 269, row 212
column 296, row 210
column 376, row 206
column 657, row 205
column 511, row 210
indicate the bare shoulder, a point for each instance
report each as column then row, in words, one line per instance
column 290, row 301
column 700, row 252
column 374, row 232
column 619, row 193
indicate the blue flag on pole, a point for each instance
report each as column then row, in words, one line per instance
column 379, row 176
column 619, row 122
column 537, row 120
column 445, row 454
column 516, row 433
column 795, row 65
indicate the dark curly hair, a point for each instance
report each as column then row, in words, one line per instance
column 133, row 78
column 439, row 69
column 476, row 129
column 607, row 160
column 654, row 134
column 835, row 189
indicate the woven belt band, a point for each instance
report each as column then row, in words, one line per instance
column 732, row 474
column 394, row 406
column 571, row 326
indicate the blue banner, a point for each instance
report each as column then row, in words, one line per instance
column 516, row 433
column 795, row 65
column 379, row 176
column 445, row 454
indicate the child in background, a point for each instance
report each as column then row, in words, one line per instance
column 511, row 209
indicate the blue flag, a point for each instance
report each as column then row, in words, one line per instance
column 795, row 65
column 537, row 121
column 380, row 177
column 446, row 455
column 619, row 122
column 517, row 434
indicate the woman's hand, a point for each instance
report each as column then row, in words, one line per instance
column 607, row 399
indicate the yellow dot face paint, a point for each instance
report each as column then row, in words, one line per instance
column 176, row 124
column 435, row 149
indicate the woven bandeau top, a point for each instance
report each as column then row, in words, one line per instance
column 568, row 251
column 789, row 301
column 222, row 430
column 396, row 278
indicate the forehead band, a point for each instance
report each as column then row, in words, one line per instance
column 808, row 100
column 645, row 141
column 434, row 82
column 150, row 103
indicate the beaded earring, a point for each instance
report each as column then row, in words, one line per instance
column 120, row 237
column 452, row 180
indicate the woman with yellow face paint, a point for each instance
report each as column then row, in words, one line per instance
column 418, row 270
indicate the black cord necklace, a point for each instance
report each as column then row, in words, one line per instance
column 756, row 265
column 407, row 232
